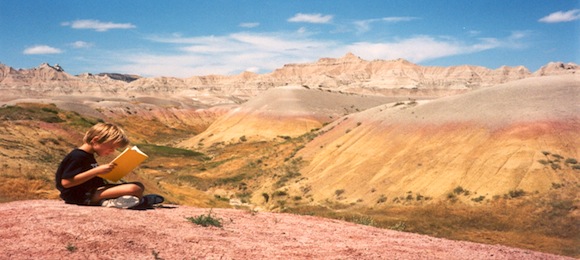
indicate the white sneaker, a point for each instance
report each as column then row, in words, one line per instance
column 123, row 202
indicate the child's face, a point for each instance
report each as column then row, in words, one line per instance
column 105, row 149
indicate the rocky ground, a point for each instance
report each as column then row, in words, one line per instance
column 50, row 229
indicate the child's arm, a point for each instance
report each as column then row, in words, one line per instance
column 85, row 176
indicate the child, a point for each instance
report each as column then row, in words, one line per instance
column 77, row 175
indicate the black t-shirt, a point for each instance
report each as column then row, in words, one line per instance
column 77, row 161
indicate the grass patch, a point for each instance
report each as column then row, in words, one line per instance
column 167, row 151
column 507, row 221
column 41, row 112
column 71, row 248
column 206, row 220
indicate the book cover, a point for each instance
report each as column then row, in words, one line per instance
column 126, row 162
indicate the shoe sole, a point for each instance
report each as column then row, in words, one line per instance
column 123, row 202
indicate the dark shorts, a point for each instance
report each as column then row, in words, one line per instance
column 85, row 198
column 80, row 198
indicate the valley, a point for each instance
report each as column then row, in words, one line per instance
column 465, row 153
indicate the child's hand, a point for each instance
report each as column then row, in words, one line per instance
column 106, row 168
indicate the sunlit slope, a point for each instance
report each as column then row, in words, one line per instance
column 522, row 135
column 286, row 111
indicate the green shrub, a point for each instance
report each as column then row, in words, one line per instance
column 266, row 197
column 206, row 220
column 451, row 196
column 420, row 197
column 168, row 151
column 516, row 193
column 544, row 162
column 71, row 248
column 382, row 199
column 458, row 190
column 571, row 161
column 363, row 220
column 279, row 193
column 399, row 226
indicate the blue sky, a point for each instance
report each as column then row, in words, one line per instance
column 184, row 38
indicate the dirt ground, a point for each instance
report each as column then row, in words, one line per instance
column 51, row 229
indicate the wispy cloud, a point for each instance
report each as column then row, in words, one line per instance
column 249, row 25
column 561, row 16
column 364, row 25
column 41, row 49
column 310, row 18
column 81, row 45
column 97, row 25
column 265, row 52
column 424, row 48
column 227, row 54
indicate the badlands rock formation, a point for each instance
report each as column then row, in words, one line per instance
column 285, row 111
column 348, row 74
column 172, row 101
column 489, row 141
column 401, row 140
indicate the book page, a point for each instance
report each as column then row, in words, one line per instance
column 126, row 162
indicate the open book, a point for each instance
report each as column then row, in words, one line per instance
column 126, row 162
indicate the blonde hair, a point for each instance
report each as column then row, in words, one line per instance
column 106, row 132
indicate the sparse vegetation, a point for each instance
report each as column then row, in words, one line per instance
column 156, row 255
column 571, row 161
column 167, row 151
column 399, row 226
column 459, row 190
column 553, row 160
column 71, row 248
column 241, row 168
column 280, row 193
column 362, row 220
column 206, row 220
column 478, row 199
column 515, row 193
column 382, row 199
column 266, row 197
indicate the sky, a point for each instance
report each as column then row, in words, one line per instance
column 184, row 38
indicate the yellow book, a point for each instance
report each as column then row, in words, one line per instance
column 126, row 162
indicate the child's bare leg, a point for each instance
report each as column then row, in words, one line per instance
column 118, row 191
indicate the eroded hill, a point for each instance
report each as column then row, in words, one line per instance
column 441, row 151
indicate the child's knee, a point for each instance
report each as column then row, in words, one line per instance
column 137, row 187
column 140, row 185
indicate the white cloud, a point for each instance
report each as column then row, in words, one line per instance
column 561, row 16
column 242, row 42
column 41, row 49
column 423, row 48
column 473, row 32
column 249, row 25
column 265, row 52
column 225, row 55
column 97, row 25
column 396, row 19
column 416, row 49
column 81, row 45
column 310, row 18
column 364, row 25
